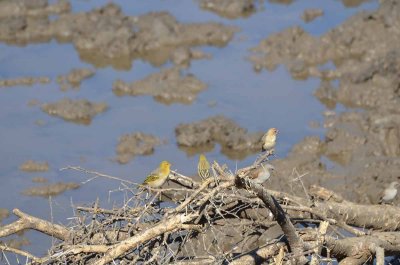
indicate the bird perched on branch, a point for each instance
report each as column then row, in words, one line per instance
column 158, row 176
column 203, row 167
column 389, row 193
column 269, row 140
column 262, row 173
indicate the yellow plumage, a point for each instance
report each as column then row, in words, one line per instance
column 203, row 167
column 158, row 176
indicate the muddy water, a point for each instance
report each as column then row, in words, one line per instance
column 255, row 101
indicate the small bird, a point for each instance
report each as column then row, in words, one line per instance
column 262, row 173
column 158, row 176
column 203, row 167
column 389, row 193
column 269, row 140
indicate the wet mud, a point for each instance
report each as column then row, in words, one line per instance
column 182, row 56
column 311, row 14
column 135, row 144
column 167, row 86
column 79, row 111
column 363, row 141
column 236, row 142
column 34, row 166
column 105, row 36
column 24, row 81
column 39, row 180
column 229, row 8
column 74, row 78
column 50, row 189
column 32, row 8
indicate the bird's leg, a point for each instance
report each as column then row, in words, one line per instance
column 157, row 200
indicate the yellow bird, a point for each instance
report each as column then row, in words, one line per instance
column 269, row 139
column 158, row 176
column 203, row 167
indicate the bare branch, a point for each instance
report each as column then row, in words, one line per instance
column 29, row 222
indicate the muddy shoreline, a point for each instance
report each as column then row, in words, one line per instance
column 364, row 140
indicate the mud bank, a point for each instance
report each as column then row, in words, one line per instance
column 168, row 86
column 131, row 145
column 105, row 36
column 79, row 111
column 311, row 14
column 33, row 166
column 74, row 78
column 50, row 189
column 363, row 141
column 39, row 180
column 182, row 56
column 35, row 8
column 24, row 81
column 229, row 8
column 236, row 142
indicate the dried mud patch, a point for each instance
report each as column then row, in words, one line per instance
column 34, row 166
column 131, row 145
column 50, row 189
column 74, row 78
column 168, row 86
column 79, row 111
column 236, row 141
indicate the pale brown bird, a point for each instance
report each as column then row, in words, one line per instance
column 262, row 173
column 390, row 192
column 269, row 140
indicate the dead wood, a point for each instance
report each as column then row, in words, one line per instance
column 26, row 221
column 225, row 219
column 295, row 243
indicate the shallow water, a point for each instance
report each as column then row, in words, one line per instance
column 255, row 101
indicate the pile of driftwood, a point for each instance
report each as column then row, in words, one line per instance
column 225, row 219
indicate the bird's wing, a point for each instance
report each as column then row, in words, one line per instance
column 263, row 137
column 154, row 175
column 150, row 178
column 205, row 165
